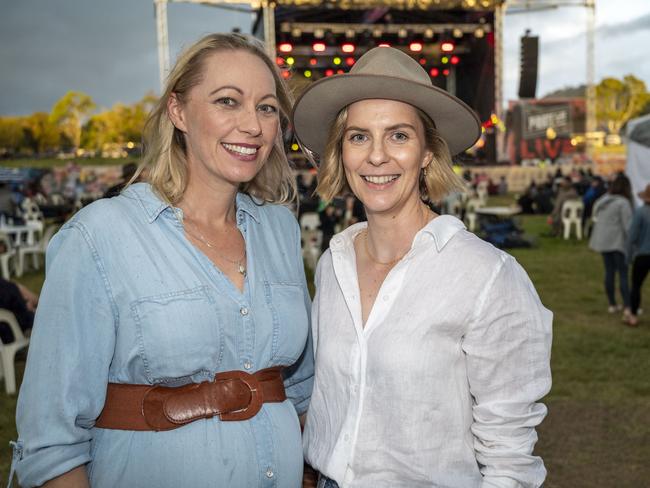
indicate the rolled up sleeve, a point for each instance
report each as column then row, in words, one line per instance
column 299, row 378
column 507, row 350
column 71, row 347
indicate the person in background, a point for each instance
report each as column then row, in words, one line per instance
column 565, row 192
column 128, row 171
column 425, row 375
column 7, row 203
column 171, row 344
column 20, row 301
column 611, row 217
column 638, row 253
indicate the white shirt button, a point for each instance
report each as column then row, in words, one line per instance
column 248, row 365
column 243, row 311
column 269, row 473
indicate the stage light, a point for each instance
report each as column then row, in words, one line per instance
column 455, row 60
column 319, row 33
column 434, row 72
column 340, row 71
column 383, row 44
column 307, row 73
column 318, row 47
column 279, row 61
column 295, row 147
column 428, row 33
column 479, row 33
column 376, row 32
column 290, row 61
column 422, row 61
column 350, row 61
column 329, row 72
column 285, row 47
column 447, row 47
column 457, row 33
column 336, row 60
column 313, row 62
column 286, row 74
column 350, row 33
column 445, row 72
column 444, row 60
column 416, row 47
column 402, row 33
column 348, row 47
column 295, row 32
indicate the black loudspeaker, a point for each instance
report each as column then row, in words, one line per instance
column 528, row 67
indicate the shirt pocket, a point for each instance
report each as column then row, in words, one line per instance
column 290, row 320
column 180, row 334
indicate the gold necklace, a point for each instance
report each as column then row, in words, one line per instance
column 240, row 263
column 372, row 258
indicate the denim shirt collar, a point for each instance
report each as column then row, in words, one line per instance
column 153, row 205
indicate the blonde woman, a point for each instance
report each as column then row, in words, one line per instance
column 171, row 341
column 432, row 347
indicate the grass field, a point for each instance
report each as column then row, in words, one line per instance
column 45, row 163
column 597, row 433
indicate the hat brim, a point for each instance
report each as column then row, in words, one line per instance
column 319, row 105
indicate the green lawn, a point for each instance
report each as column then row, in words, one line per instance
column 597, row 433
column 45, row 163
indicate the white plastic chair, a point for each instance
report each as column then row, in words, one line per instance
column 8, row 351
column 309, row 221
column 482, row 191
column 471, row 217
column 35, row 249
column 8, row 254
column 572, row 215
column 30, row 211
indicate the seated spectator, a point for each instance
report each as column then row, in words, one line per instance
column 566, row 192
column 7, row 204
column 21, row 302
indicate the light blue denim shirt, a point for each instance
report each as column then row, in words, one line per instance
column 128, row 299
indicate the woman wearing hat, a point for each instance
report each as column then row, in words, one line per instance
column 432, row 346
column 638, row 252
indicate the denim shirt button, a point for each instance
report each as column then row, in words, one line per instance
column 248, row 365
column 243, row 311
column 269, row 473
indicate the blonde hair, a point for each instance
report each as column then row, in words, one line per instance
column 436, row 181
column 164, row 147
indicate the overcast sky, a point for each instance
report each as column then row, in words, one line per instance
column 107, row 49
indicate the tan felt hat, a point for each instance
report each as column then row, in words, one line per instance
column 386, row 73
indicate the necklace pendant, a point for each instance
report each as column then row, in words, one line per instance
column 242, row 269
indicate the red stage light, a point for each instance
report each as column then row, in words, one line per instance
column 350, row 61
column 339, row 71
column 318, row 47
column 416, row 47
column 329, row 72
column 455, row 60
column 286, row 74
column 434, row 72
column 445, row 72
column 313, row 61
column 279, row 61
column 383, row 44
column 447, row 47
column 348, row 47
column 422, row 61
column 285, row 47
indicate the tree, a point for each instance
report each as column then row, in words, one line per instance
column 40, row 133
column 618, row 101
column 11, row 134
column 69, row 113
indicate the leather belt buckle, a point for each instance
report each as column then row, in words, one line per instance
column 255, row 402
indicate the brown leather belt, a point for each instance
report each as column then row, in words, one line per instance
column 232, row 395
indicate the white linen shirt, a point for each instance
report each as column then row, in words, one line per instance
column 439, row 388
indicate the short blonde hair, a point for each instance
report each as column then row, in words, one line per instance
column 164, row 148
column 438, row 181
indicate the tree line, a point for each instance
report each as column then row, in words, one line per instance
column 73, row 123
